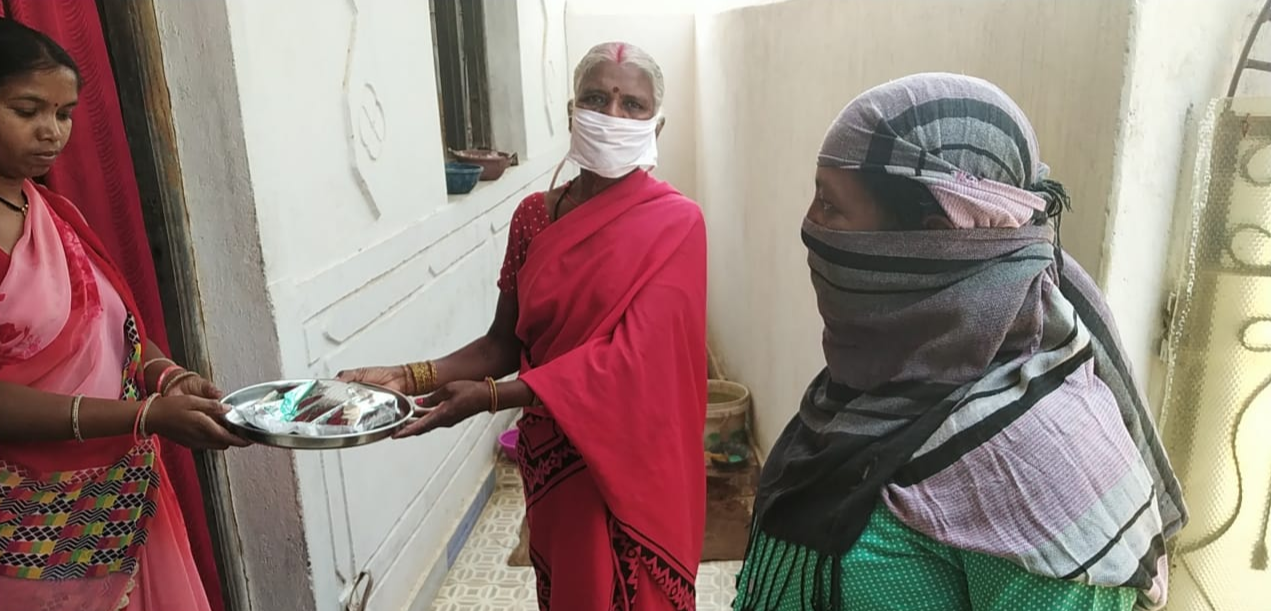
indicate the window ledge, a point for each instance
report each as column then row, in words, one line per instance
column 516, row 179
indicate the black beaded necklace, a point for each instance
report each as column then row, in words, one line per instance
column 23, row 209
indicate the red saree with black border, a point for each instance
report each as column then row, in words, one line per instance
column 612, row 314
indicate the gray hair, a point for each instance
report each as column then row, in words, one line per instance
column 622, row 53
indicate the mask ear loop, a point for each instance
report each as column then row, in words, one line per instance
column 569, row 121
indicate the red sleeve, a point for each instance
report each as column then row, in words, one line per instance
column 529, row 219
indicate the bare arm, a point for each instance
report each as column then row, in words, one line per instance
column 150, row 377
column 30, row 415
column 178, row 381
column 515, row 394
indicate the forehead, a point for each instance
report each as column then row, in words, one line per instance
column 845, row 186
column 626, row 78
column 57, row 86
column 839, row 179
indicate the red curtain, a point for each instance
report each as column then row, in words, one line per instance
column 96, row 172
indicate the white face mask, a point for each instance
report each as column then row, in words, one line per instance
column 613, row 147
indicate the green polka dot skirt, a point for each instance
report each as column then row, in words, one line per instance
column 894, row 568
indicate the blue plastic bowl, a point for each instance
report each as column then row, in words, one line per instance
column 462, row 177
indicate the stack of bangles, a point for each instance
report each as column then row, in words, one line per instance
column 421, row 378
column 171, row 375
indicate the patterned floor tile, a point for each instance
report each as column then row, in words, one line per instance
column 481, row 578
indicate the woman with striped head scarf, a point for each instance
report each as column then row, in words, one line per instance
column 976, row 440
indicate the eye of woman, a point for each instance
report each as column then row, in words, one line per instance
column 825, row 205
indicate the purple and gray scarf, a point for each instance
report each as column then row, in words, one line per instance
column 974, row 383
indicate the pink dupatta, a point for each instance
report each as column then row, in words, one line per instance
column 75, row 517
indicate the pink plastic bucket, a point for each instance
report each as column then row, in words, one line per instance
column 507, row 441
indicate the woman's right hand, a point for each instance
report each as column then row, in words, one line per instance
column 193, row 422
column 392, row 378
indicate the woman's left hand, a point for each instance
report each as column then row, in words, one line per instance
column 450, row 405
column 195, row 386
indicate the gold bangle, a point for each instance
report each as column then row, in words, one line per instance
column 163, row 359
column 409, row 376
column 173, row 381
column 494, row 395
column 424, row 377
column 75, row 403
column 416, row 378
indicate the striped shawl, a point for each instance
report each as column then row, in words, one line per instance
column 974, row 382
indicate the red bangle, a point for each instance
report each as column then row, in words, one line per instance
column 166, row 372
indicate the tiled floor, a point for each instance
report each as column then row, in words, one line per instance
column 481, row 579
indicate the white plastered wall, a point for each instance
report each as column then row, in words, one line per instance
column 311, row 153
column 1181, row 57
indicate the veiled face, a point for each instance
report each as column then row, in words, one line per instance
column 843, row 203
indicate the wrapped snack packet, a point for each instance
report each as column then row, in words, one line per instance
column 290, row 407
column 315, row 401
column 321, row 409
column 361, row 411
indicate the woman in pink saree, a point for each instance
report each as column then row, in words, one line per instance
column 87, row 521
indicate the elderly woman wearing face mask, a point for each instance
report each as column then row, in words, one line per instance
column 602, row 312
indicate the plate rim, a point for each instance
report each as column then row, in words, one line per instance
column 291, row 441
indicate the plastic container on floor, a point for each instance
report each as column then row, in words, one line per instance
column 726, row 440
column 507, row 442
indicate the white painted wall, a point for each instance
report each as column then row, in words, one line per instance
column 544, row 76
column 1182, row 55
column 242, row 341
column 311, row 152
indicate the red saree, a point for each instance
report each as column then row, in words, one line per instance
column 612, row 313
